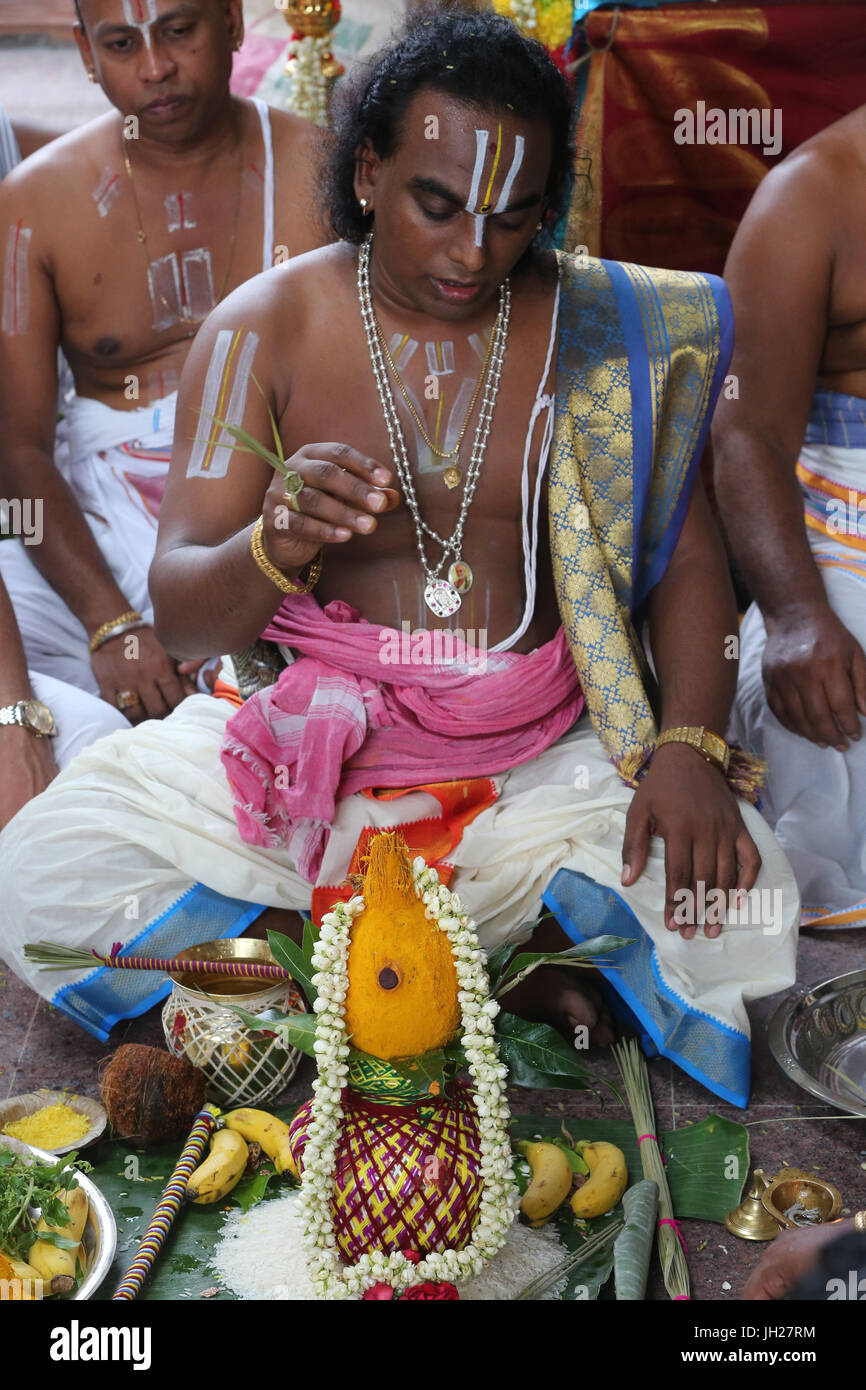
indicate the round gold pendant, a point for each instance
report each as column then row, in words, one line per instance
column 460, row 577
column 451, row 477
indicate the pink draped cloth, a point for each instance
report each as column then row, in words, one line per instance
column 349, row 714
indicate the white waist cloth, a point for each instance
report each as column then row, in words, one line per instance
column 116, row 462
column 143, row 815
column 815, row 798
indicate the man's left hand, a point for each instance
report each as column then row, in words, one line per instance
column 686, row 800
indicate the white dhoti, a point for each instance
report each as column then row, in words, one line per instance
column 138, row 843
column 815, row 798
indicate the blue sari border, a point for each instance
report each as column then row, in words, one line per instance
column 104, row 997
column 697, row 1032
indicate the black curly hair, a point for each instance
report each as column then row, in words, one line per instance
column 480, row 58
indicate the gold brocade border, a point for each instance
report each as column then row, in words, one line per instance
column 591, row 484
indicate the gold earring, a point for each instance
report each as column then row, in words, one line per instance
column 365, row 208
column 91, row 73
column 538, row 226
column 239, row 43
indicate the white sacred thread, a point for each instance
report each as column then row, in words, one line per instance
column 213, row 444
column 179, row 209
column 16, row 281
column 141, row 15
column 107, row 191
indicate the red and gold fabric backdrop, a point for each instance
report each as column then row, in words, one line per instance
column 641, row 196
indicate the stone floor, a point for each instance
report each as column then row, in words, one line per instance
column 40, row 1047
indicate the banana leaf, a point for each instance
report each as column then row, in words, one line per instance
column 633, row 1249
column 708, row 1164
column 133, row 1181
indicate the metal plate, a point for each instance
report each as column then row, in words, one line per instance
column 818, row 1037
column 100, row 1232
column 17, row 1107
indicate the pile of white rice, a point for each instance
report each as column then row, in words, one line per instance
column 260, row 1255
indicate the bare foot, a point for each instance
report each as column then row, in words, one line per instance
column 564, row 998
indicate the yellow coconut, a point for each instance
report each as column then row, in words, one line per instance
column 402, row 996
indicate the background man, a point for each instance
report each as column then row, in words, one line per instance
column 168, row 202
column 797, row 530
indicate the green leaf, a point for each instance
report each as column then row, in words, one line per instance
column 582, row 957
column 296, row 1030
column 60, row 1242
column 536, row 1055
column 634, row 1245
column 497, row 959
column 290, row 956
column 428, row 1072
column 308, row 944
column 250, row 1191
column 576, row 1163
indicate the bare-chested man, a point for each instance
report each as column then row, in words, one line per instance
column 791, row 480
column 117, row 241
column 453, row 150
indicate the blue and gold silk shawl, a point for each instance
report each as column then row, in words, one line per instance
column 642, row 357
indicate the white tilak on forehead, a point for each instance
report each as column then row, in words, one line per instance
column 481, row 139
column 140, row 15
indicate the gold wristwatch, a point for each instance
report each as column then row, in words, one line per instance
column 710, row 746
column 32, row 715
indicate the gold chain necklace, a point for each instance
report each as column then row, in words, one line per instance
column 142, row 235
column 452, row 475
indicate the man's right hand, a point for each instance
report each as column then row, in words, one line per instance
column 343, row 493
column 142, row 666
column 815, row 677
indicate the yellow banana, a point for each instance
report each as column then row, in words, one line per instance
column 261, row 1128
column 57, row 1267
column 221, row 1170
column 607, row 1181
column 29, row 1280
column 551, row 1181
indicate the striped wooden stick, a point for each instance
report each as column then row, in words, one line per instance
column 52, row 956
column 168, row 1206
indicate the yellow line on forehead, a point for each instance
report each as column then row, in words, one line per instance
column 485, row 206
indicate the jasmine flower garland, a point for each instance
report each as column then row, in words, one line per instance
column 499, row 1196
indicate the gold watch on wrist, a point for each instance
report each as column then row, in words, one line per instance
column 32, row 715
column 711, row 746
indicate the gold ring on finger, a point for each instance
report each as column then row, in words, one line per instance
column 127, row 699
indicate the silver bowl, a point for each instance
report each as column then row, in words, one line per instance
column 818, row 1037
column 100, row 1232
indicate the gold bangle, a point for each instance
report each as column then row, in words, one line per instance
column 860, row 1221
column 276, row 576
column 102, row 634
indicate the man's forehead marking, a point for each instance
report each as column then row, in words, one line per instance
column 479, row 214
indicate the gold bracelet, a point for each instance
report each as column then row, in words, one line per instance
column 711, row 746
column 102, row 634
column 860, row 1221
column 276, row 576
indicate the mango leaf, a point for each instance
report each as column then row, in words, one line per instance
column 250, row 1191
column 308, row 944
column 428, row 1072
column 291, row 957
column 295, row 1030
column 582, row 956
column 497, row 959
column 536, row 1055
